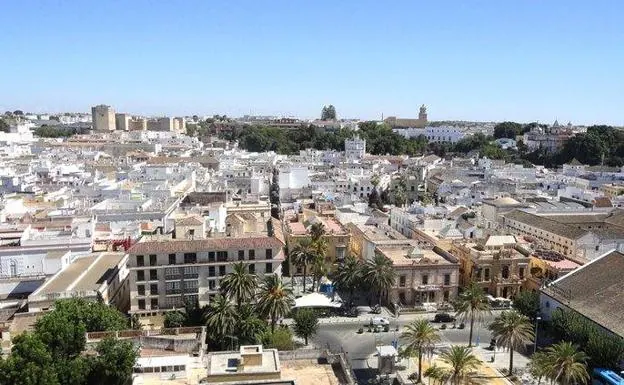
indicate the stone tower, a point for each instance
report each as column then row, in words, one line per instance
column 422, row 115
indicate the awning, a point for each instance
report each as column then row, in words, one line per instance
column 316, row 300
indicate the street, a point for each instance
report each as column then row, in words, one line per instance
column 342, row 334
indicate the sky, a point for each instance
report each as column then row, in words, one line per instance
column 524, row 60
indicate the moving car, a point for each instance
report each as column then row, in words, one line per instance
column 443, row 317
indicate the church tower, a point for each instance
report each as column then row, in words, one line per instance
column 422, row 115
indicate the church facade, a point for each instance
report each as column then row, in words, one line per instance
column 421, row 122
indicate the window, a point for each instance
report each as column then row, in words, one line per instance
column 191, row 272
column 154, row 303
column 446, row 295
column 152, row 258
column 221, row 256
column 269, row 253
column 142, row 304
column 241, row 255
column 140, row 275
column 252, row 254
column 190, row 258
column 221, row 271
column 505, row 272
column 211, row 271
column 521, row 272
column 268, row 268
column 141, row 289
column 447, row 279
column 153, row 275
column 212, row 284
column 172, row 273
column 425, row 279
column 154, row 289
column 191, row 233
column 486, row 273
column 172, row 259
column 402, row 281
column 211, row 256
column 252, row 269
column 140, row 260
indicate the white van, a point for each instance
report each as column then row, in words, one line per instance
column 379, row 321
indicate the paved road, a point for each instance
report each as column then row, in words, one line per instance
column 342, row 334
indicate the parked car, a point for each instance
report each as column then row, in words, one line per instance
column 379, row 321
column 376, row 309
column 443, row 317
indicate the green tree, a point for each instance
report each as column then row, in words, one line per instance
column 280, row 339
column 566, row 364
column 302, row 255
column 4, row 126
column 539, row 366
column 239, row 285
column 320, row 269
column 30, row 363
column 306, row 323
column 113, row 363
column 317, row 231
column 379, row 274
column 174, row 319
column 436, row 373
column 512, row 330
column 64, row 338
column 220, row 320
column 472, row 305
column 194, row 315
column 420, row 337
column 527, row 303
column 275, row 299
column 274, row 195
column 348, row 276
column 509, row 130
column 461, row 362
column 328, row 113
column 249, row 327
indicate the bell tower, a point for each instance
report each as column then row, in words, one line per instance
column 422, row 115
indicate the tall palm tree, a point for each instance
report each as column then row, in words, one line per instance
column 379, row 274
column 512, row 330
column 461, row 362
column 302, row 255
column 472, row 305
column 348, row 275
column 275, row 299
column 317, row 230
column 220, row 318
column 239, row 285
column 249, row 327
column 420, row 337
column 566, row 364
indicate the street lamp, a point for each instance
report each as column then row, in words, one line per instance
column 537, row 320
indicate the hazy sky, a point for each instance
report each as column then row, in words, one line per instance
column 519, row 60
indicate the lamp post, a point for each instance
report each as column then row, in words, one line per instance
column 537, row 320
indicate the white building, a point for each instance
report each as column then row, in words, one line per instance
column 442, row 134
column 355, row 148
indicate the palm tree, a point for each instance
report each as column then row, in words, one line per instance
column 472, row 304
column 512, row 330
column 566, row 364
column 436, row 373
column 275, row 299
column 539, row 366
column 302, row 255
column 461, row 362
column 249, row 327
column 379, row 274
column 348, row 275
column 239, row 285
column 220, row 318
column 420, row 337
column 320, row 269
column 317, row 230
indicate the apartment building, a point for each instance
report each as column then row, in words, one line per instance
column 570, row 240
column 423, row 276
column 165, row 273
column 493, row 263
